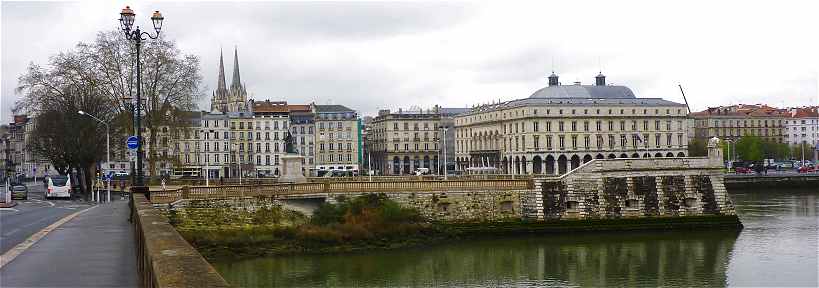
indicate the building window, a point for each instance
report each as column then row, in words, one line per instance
column 562, row 142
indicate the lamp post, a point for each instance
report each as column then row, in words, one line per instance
column 730, row 163
column 107, row 151
column 126, row 21
column 444, row 148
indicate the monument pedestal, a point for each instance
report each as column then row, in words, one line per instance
column 291, row 169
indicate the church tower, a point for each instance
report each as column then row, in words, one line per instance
column 218, row 101
column 233, row 99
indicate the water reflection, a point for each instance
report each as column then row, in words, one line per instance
column 777, row 247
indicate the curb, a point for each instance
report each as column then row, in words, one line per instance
column 8, row 205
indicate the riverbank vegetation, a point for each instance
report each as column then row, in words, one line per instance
column 367, row 222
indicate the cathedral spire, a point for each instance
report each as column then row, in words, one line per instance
column 221, row 85
column 236, row 83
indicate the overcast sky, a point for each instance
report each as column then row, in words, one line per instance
column 376, row 55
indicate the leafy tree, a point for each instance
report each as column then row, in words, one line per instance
column 697, row 148
column 749, row 148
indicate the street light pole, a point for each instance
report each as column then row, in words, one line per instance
column 126, row 21
column 444, row 148
column 107, row 151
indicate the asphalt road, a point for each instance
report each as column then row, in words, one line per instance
column 32, row 215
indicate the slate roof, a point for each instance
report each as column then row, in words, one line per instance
column 584, row 91
column 447, row 112
column 332, row 108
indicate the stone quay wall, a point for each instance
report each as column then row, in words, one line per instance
column 617, row 188
column 598, row 189
column 438, row 206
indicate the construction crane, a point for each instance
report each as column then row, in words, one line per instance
column 684, row 99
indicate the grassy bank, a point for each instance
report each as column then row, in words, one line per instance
column 366, row 222
column 374, row 222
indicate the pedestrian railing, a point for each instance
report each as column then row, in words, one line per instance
column 164, row 258
column 227, row 191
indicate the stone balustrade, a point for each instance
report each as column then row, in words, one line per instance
column 342, row 187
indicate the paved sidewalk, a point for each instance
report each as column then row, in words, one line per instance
column 94, row 249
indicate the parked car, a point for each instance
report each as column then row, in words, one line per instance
column 744, row 170
column 807, row 169
column 19, row 192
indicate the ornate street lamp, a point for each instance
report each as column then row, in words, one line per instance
column 126, row 21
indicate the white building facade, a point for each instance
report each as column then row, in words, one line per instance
column 559, row 127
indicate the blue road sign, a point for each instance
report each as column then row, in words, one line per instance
column 133, row 142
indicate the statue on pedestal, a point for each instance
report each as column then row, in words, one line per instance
column 289, row 146
column 291, row 163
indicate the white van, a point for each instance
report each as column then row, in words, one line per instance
column 421, row 171
column 58, row 186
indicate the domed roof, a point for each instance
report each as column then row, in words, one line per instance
column 585, row 92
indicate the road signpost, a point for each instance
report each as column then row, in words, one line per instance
column 132, row 142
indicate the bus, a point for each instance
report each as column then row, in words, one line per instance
column 337, row 170
column 185, row 172
column 482, row 170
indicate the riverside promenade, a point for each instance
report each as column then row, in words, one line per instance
column 95, row 248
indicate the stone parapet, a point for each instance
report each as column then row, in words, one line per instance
column 164, row 258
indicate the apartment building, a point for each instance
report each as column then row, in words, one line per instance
column 402, row 141
column 270, row 122
column 338, row 138
column 735, row 121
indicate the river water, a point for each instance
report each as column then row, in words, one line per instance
column 777, row 247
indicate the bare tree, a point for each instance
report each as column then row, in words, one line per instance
column 106, row 70
column 54, row 95
column 170, row 81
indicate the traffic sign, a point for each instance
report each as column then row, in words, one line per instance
column 132, row 142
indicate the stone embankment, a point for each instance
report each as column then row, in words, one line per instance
column 746, row 181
